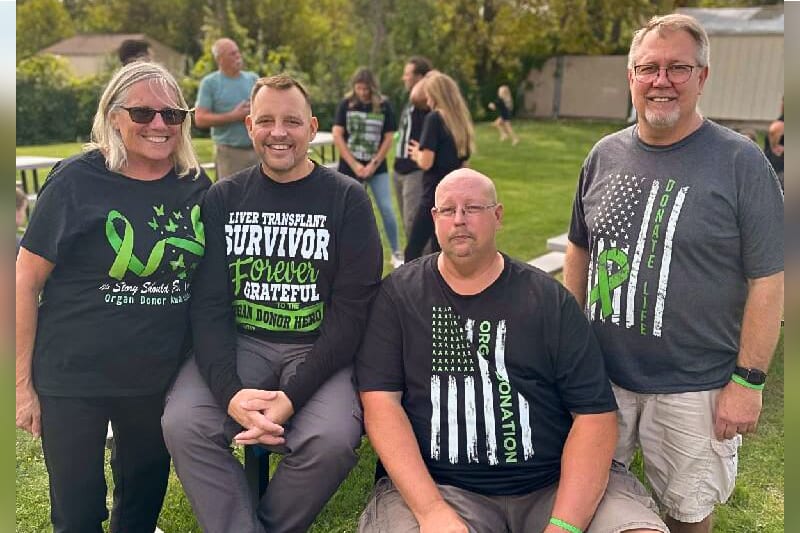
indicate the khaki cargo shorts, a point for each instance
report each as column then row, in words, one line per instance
column 689, row 469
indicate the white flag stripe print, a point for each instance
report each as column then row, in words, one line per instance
column 637, row 255
column 436, row 426
column 663, row 275
column 452, row 419
column 456, row 420
column 488, row 412
column 500, row 350
column 525, row 423
column 472, row 419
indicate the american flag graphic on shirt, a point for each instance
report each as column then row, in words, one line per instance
column 634, row 227
column 476, row 417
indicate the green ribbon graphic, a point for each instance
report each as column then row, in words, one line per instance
column 123, row 246
column 607, row 283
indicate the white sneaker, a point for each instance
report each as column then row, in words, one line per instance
column 397, row 260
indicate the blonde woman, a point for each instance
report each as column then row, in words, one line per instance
column 446, row 143
column 504, row 104
column 103, row 286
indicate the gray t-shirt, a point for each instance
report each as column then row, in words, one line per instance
column 674, row 233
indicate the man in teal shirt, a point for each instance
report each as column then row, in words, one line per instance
column 223, row 100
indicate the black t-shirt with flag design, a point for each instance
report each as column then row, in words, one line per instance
column 488, row 380
column 113, row 316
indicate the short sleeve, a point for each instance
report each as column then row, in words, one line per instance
column 578, row 231
column 379, row 363
column 581, row 376
column 432, row 131
column 55, row 223
column 340, row 119
column 389, row 120
column 760, row 217
column 205, row 96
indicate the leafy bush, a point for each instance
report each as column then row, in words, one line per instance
column 46, row 103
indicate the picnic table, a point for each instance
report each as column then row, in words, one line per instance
column 29, row 181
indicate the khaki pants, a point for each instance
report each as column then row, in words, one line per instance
column 625, row 506
column 230, row 160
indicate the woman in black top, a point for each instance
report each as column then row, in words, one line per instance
column 103, row 288
column 503, row 105
column 446, row 143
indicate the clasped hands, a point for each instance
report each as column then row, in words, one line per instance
column 261, row 413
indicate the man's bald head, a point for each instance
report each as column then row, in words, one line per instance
column 459, row 177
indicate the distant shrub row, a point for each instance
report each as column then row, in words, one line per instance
column 55, row 106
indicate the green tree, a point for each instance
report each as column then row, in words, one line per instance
column 41, row 23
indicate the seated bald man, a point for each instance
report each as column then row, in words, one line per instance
column 485, row 394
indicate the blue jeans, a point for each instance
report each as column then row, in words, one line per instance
column 381, row 189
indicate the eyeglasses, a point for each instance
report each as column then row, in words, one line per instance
column 675, row 73
column 144, row 115
column 467, row 210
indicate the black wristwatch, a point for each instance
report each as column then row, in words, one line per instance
column 753, row 376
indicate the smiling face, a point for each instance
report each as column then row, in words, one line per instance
column 667, row 112
column 281, row 126
column 467, row 238
column 149, row 146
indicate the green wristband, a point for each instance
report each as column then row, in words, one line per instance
column 566, row 526
column 744, row 383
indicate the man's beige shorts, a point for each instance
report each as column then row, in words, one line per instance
column 625, row 505
column 689, row 469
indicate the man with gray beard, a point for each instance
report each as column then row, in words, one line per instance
column 676, row 254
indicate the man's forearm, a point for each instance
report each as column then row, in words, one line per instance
column 206, row 119
column 585, row 464
column 761, row 322
column 392, row 437
column 576, row 267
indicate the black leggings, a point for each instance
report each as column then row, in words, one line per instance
column 73, row 441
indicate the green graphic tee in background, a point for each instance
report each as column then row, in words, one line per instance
column 364, row 130
column 114, row 312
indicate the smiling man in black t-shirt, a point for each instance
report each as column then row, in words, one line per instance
column 484, row 392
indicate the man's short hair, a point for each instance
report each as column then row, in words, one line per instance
column 281, row 82
column 670, row 23
column 132, row 50
column 421, row 65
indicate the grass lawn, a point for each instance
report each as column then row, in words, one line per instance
column 536, row 182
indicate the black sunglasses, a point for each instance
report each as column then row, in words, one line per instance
column 144, row 115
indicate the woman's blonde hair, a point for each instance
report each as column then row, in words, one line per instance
column 365, row 76
column 504, row 93
column 107, row 139
column 445, row 96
